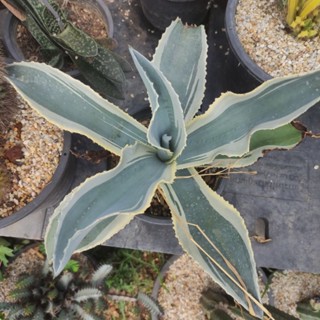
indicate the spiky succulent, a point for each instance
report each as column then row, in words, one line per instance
column 234, row 132
column 69, row 296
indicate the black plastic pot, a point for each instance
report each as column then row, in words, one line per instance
column 160, row 13
column 151, row 233
column 54, row 191
column 236, row 46
column 10, row 23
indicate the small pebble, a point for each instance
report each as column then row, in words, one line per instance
column 260, row 27
column 42, row 145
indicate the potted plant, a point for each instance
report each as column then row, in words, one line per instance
column 274, row 38
column 61, row 40
column 160, row 13
column 234, row 132
column 22, row 190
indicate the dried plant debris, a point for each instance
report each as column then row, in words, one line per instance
column 8, row 102
column 5, row 182
column 31, row 149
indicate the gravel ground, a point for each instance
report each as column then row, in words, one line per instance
column 185, row 280
column 181, row 292
column 261, row 29
column 290, row 287
column 41, row 144
column 29, row 262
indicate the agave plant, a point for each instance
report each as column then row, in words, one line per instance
column 233, row 132
column 303, row 17
column 59, row 38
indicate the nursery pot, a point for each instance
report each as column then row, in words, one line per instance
column 244, row 59
column 160, row 13
column 9, row 31
column 54, row 191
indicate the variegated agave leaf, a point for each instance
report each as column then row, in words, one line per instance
column 235, row 131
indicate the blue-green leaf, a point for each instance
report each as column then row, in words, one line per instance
column 213, row 233
column 226, row 128
column 166, row 130
column 181, row 55
column 126, row 190
column 75, row 107
column 285, row 137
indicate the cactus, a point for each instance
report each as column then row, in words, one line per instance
column 58, row 38
column 40, row 296
column 69, row 296
column 303, row 17
column 234, row 132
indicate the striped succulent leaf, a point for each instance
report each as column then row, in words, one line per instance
column 235, row 131
column 58, row 37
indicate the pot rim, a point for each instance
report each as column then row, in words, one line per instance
column 53, row 192
column 236, row 45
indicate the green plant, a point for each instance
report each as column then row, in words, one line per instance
column 40, row 296
column 6, row 251
column 59, row 38
column 134, row 270
column 303, row 17
column 234, row 132
column 72, row 265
